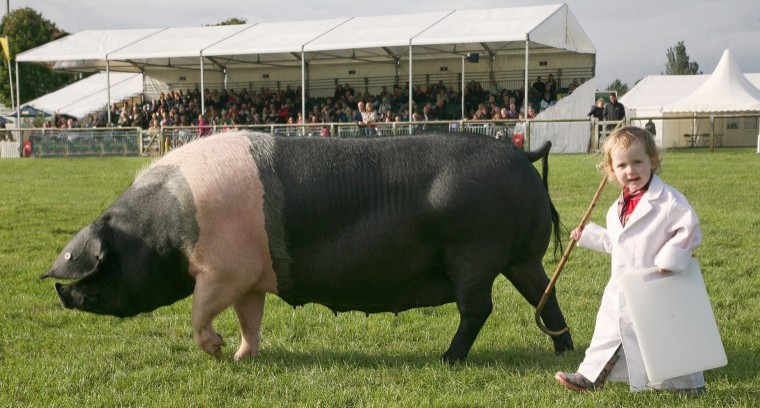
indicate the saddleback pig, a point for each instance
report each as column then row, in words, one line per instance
column 374, row 225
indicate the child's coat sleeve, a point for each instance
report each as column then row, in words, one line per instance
column 595, row 237
column 685, row 235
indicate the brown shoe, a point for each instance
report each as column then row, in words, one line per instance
column 576, row 382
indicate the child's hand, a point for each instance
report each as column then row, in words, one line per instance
column 576, row 234
column 664, row 271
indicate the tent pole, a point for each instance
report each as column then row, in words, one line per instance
column 303, row 91
column 411, row 113
column 18, row 102
column 525, row 84
column 108, row 91
column 203, row 90
column 462, row 118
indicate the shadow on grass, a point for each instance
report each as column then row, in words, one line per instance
column 518, row 359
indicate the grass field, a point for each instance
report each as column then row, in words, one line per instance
column 55, row 357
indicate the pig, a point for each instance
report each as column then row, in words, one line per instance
column 357, row 224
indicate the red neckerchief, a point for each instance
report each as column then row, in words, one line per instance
column 629, row 201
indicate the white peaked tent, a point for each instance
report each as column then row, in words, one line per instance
column 89, row 95
column 726, row 91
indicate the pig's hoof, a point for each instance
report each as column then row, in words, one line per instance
column 451, row 358
column 212, row 344
column 245, row 353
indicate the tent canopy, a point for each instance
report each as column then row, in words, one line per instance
column 86, row 50
column 372, row 39
column 28, row 111
column 90, row 94
column 726, row 90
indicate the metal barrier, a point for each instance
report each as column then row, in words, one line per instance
column 567, row 135
column 172, row 137
column 47, row 142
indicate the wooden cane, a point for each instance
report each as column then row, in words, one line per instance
column 561, row 265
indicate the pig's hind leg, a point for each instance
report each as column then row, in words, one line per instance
column 250, row 311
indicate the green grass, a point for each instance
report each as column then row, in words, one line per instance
column 55, row 357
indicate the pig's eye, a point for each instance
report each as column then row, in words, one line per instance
column 67, row 256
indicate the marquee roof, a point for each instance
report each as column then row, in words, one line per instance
column 90, row 94
column 726, row 90
column 371, row 39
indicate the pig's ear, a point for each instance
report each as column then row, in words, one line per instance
column 82, row 256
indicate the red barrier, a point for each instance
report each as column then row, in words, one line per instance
column 517, row 140
column 26, row 150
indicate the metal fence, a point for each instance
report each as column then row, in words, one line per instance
column 567, row 135
column 53, row 142
column 172, row 137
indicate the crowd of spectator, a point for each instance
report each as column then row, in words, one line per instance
column 228, row 107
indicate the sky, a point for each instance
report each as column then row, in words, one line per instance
column 631, row 37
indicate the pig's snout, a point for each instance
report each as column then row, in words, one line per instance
column 63, row 297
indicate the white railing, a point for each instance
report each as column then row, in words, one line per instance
column 10, row 149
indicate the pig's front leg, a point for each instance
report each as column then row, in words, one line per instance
column 209, row 300
column 250, row 311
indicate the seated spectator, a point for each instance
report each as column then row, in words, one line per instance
column 573, row 86
column 385, row 106
column 124, row 119
column 546, row 101
column 512, row 112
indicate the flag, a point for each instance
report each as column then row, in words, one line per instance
column 6, row 49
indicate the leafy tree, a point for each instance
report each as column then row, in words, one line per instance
column 232, row 21
column 25, row 29
column 618, row 86
column 678, row 61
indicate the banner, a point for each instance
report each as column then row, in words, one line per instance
column 6, row 49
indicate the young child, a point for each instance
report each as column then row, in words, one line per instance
column 650, row 225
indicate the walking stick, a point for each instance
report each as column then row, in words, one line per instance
column 561, row 265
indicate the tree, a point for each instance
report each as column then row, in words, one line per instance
column 618, row 86
column 678, row 61
column 232, row 21
column 25, row 29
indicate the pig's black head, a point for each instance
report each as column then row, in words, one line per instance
column 99, row 287
column 131, row 260
column 117, row 274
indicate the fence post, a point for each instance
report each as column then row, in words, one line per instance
column 527, row 136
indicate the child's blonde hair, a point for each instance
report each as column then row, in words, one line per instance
column 623, row 138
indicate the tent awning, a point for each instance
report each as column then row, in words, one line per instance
column 86, row 50
column 373, row 39
column 90, row 94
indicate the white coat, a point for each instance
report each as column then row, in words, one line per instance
column 662, row 231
